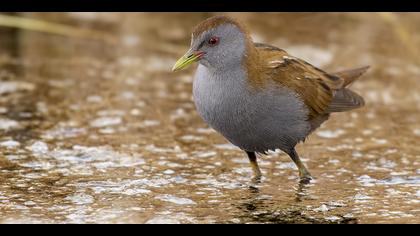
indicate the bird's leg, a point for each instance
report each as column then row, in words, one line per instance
column 303, row 172
column 254, row 164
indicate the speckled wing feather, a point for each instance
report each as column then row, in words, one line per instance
column 314, row 86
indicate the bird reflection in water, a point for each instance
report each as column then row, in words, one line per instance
column 257, row 207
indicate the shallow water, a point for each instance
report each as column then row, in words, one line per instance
column 95, row 132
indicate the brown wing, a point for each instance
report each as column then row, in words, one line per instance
column 314, row 86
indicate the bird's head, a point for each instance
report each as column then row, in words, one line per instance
column 218, row 42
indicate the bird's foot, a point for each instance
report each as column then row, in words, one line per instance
column 257, row 178
column 305, row 176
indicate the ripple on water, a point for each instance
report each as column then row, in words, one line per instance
column 153, row 148
column 288, row 165
column 111, row 112
column 212, row 184
column 15, row 86
column 10, row 144
column 149, row 123
column 3, row 110
column 205, row 154
column 360, row 196
column 191, row 138
column 107, row 130
column 340, row 147
column 226, row 146
column 367, row 181
column 38, row 148
column 176, row 200
column 163, row 220
column 106, row 121
column 382, row 164
column 75, row 159
column 62, row 132
column 127, row 187
column 80, row 199
column 38, row 165
column 205, row 130
column 169, row 172
column 7, row 124
column 102, row 153
column 135, row 112
column 333, row 218
column 330, row 133
column 127, row 95
column 94, row 99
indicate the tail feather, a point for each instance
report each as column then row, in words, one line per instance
column 345, row 100
column 351, row 75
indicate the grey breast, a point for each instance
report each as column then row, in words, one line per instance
column 253, row 120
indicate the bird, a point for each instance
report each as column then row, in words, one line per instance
column 259, row 97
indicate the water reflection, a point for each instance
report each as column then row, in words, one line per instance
column 302, row 190
column 256, row 207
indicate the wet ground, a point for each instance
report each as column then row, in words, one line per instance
column 98, row 131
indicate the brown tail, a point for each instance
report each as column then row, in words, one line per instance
column 350, row 76
column 344, row 99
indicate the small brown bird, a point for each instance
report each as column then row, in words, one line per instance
column 258, row 96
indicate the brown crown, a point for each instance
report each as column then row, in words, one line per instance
column 215, row 21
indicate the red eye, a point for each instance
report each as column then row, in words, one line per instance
column 213, row 41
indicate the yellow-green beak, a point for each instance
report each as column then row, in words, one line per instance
column 187, row 60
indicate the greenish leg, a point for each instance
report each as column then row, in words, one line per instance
column 303, row 172
column 254, row 164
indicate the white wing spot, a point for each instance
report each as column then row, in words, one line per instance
column 276, row 63
column 288, row 58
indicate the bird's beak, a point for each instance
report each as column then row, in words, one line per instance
column 187, row 59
